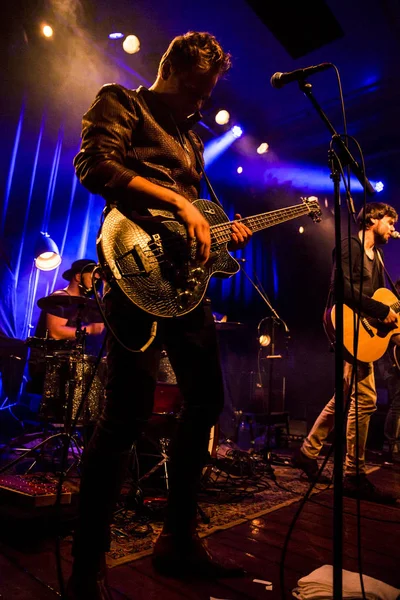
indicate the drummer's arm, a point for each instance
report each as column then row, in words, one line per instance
column 59, row 330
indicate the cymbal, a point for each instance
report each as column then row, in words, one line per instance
column 49, row 302
column 228, row 325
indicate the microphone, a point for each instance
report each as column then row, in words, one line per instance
column 278, row 80
column 243, row 260
column 395, row 235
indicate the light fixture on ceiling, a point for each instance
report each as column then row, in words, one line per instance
column 47, row 30
column 47, row 256
column 131, row 44
column 237, row 131
column 262, row 148
column 222, row 117
column 378, row 186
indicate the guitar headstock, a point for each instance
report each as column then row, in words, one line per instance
column 314, row 209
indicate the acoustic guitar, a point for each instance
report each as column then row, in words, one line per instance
column 373, row 335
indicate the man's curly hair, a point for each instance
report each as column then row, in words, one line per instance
column 375, row 210
column 196, row 51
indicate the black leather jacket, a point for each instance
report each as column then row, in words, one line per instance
column 131, row 132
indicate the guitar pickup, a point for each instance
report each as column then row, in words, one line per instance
column 141, row 259
column 142, row 262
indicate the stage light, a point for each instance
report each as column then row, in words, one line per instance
column 47, row 256
column 236, row 131
column 301, row 229
column 117, row 35
column 131, row 44
column 239, row 170
column 264, row 340
column 262, row 148
column 218, row 146
column 222, row 117
column 378, row 186
column 47, row 31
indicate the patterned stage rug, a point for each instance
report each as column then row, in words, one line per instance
column 229, row 498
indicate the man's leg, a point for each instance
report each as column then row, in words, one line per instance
column 366, row 402
column 392, row 421
column 129, row 398
column 306, row 458
column 356, row 484
column 193, row 350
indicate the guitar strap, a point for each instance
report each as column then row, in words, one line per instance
column 199, row 161
column 395, row 292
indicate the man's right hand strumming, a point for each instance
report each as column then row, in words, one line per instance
column 197, row 228
column 196, row 225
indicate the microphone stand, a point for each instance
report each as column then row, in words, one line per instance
column 344, row 158
column 276, row 319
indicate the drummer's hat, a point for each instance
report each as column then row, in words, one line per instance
column 77, row 267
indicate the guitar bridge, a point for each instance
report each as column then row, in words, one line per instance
column 367, row 327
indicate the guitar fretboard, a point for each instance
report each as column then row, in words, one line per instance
column 396, row 306
column 221, row 232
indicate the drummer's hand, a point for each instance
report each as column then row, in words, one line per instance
column 95, row 328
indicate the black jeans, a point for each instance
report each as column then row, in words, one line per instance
column 191, row 344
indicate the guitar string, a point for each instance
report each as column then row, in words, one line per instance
column 221, row 232
column 372, row 320
column 219, row 236
column 224, row 228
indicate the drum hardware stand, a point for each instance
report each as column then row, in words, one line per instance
column 136, row 493
column 68, row 425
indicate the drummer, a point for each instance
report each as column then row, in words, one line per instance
column 60, row 322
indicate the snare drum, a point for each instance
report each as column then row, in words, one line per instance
column 69, row 378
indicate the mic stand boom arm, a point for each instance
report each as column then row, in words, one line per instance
column 275, row 319
column 346, row 158
column 266, row 300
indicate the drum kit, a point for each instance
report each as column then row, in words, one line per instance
column 74, row 382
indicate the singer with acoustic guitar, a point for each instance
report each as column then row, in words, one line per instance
column 362, row 265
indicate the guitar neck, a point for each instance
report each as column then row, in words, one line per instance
column 396, row 306
column 222, row 231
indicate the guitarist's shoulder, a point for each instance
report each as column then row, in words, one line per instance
column 118, row 90
column 353, row 241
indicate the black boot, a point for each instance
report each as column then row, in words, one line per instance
column 182, row 556
column 88, row 581
column 364, row 489
column 309, row 466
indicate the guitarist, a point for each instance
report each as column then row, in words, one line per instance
column 378, row 226
column 137, row 152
